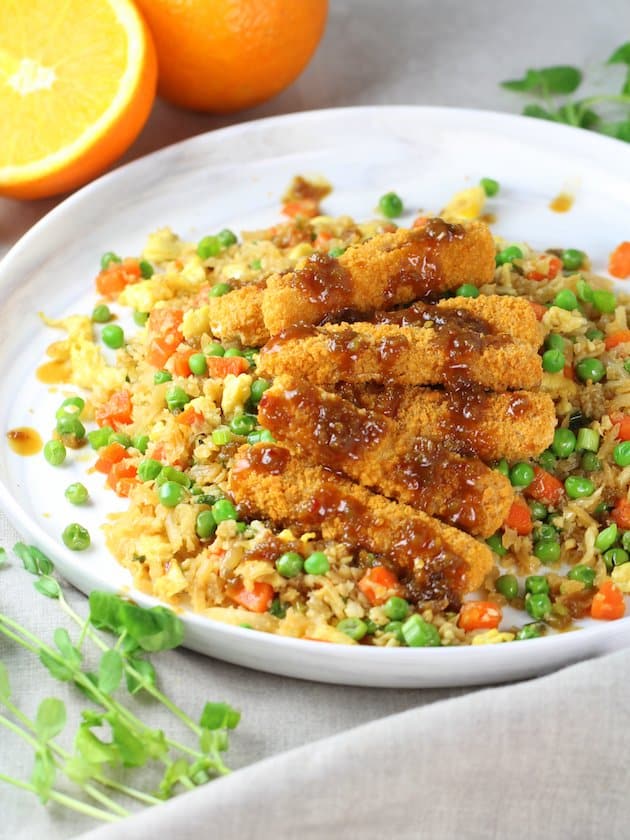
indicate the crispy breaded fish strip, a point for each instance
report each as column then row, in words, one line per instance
column 516, row 425
column 401, row 355
column 387, row 270
column 386, row 456
column 238, row 316
column 437, row 562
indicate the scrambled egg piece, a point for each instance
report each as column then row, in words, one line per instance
column 465, row 205
column 144, row 295
column 236, row 390
column 196, row 322
column 89, row 369
column 621, row 577
column 162, row 246
column 493, row 637
column 170, row 584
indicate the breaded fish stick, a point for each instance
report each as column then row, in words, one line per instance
column 516, row 425
column 401, row 355
column 386, row 456
column 238, row 316
column 387, row 270
column 435, row 561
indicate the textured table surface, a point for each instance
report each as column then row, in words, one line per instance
column 374, row 52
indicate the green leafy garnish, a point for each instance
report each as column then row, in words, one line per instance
column 549, row 83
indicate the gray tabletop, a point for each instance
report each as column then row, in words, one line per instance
column 452, row 52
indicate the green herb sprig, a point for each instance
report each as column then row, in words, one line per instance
column 548, row 83
column 93, row 763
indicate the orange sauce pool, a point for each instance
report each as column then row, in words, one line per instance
column 55, row 372
column 562, row 203
column 25, row 441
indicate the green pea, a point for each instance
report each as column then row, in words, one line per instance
column 171, row 494
column 590, row 462
column 553, row 361
column 566, row 299
column 626, row 365
column 54, row 452
column 76, row 537
column 508, row 255
column 146, row 269
column 607, row 537
column 564, row 442
column 72, row 405
column 625, row 540
column 539, row 511
column 594, row 334
column 395, row 627
column 113, row 336
column 587, row 439
column 149, row 469
column 214, row 349
column 226, row 237
column 547, row 533
column 317, row 563
column 521, row 474
column 109, row 257
column 98, row 438
column 77, row 493
column 537, row 584
column 223, row 510
column 259, row 386
column 604, row 301
column 256, row 265
column 162, row 376
column 572, row 259
column 621, row 454
column 547, row 460
column 335, row 253
column 277, row 608
column 495, row 543
column 101, row 314
column 209, row 246
column 489, row 186
column 467, row 290
column 503, row 467
column 266, row 437
column 121, row 438
column 352, row 627
column 396, row 609
column 197, row 364
column 584, row 291
column 590, row 369
column 69, row 426
column 243, row 424
column 169, row 473
column 290, row 564
column 390, row 205
column 176, row 398
column 583, row 573
column 205, row 526
column 419, row 633
column 555, row 342
column 507, row 585
column 232, row 352
column 529, row 631
column 219, row 289
column 578, row 487
column 141, row 443
column 140, row 318
column 547, row 551
column 615, row 557
column 601, row 509
column 538, row 605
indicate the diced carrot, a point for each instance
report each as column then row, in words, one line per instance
column 619, row 261
column 620, row 514
column 608, row 603
column 189, row 417
column 545, row 488
column 520, row 518
column 180, row 361
column 165, row 320
column 162, row 348
column 219, row 366
column 258, row 599
column 568, row 372
column 323, row 237
column 624, row 428
column 539, row 309
column 109, row 455
column 122, row 478
column 116, row 412
column 621, row 337
column 553, row 268
column 479, row 615
column 113, row 279
column 307, row 208
column 377, row 584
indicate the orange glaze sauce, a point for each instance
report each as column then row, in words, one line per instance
column 562, row 203
column 24, row 440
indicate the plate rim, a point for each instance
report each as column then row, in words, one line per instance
column 594, row 144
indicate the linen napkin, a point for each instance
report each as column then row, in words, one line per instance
column 541, row 759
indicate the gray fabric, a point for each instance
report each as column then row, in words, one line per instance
column 541, row 759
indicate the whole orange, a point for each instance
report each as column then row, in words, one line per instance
column 224, row 55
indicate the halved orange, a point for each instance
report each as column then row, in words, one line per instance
column 77, row 82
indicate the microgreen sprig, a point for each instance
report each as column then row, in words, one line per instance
column 94, row 761
column 563, row 80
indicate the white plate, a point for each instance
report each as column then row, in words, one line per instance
column 234, row 178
